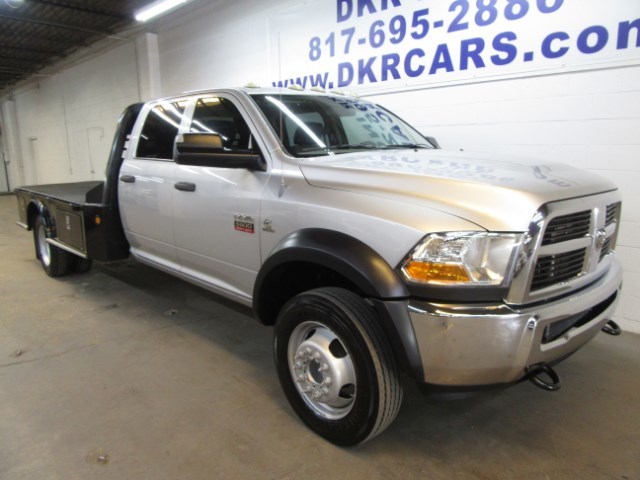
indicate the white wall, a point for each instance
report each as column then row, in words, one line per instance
column 65, row 123
column 219, row 45
column 588, row 118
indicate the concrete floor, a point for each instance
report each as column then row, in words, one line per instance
column 127, row 373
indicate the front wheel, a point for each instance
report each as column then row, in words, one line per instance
column 335, row 365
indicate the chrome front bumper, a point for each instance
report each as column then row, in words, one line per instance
column 473, row 345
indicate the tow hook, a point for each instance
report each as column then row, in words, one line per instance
column 612, row 328
column 552, row 381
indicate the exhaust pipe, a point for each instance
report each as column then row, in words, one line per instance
column 551, row 380
column 612, row 328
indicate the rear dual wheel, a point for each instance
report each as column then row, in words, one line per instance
column 54, row 260
column 336, row 366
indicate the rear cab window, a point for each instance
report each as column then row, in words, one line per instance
column 160, row 129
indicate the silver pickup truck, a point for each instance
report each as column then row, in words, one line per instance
column 372, row 251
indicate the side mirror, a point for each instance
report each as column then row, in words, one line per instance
column 432, row 141
column 207, row 150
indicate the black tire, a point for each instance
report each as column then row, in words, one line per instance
column 80, row 265
column 332, row 332
column 55, row 261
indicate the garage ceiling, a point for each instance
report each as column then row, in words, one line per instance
column 38, row 33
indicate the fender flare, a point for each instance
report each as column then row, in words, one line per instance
column 43, row 211
column 359, row 264
column 346, row 255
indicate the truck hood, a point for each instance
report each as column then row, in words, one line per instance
column 495, row 193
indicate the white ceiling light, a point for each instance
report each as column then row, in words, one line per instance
column 157, row 8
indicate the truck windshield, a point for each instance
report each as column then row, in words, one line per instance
column 310, row 125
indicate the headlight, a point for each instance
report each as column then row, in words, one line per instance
column 463, row 258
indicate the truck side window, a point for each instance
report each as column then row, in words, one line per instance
column 221, row 116
column 160, row 130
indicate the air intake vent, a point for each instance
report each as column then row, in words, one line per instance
column 612, row 213
column 555, row 330
column 553, row 269
column 605, row 249
column 567, row 227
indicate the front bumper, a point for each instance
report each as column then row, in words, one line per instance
column 473, row 345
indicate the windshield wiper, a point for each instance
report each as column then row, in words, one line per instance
column 407, row 145
column 343, row 146
column 351, row 146
column 361, row 146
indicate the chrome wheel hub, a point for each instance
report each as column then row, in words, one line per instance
column 322, row 370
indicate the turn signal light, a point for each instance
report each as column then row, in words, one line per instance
column 436, row 272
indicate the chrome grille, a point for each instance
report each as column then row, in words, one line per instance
column 567, row 227
column 552, row 269
column 569, row 244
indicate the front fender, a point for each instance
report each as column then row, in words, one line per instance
column 346, row 255
column 359, row 265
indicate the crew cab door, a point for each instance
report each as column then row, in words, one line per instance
column 146, row 185
column 217, row 219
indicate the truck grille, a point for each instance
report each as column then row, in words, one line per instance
column 569, row 246
column 560, row 267
column 567, row 227
column 552, row 269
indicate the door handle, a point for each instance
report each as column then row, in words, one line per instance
column 127, row 178
column 185, row 186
